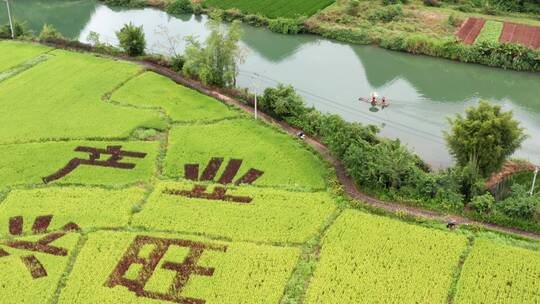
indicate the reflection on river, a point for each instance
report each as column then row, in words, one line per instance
column 332, row 76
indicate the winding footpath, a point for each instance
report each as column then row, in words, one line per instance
column 348, row 184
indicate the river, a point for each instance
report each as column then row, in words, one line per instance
column 423, row 91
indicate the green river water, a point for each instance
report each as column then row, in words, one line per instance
column 423, row 91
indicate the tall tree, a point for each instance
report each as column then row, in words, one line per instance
column 215, row 63
column 486, row 135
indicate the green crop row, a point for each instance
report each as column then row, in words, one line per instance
column 273, row 8
column 497, row 273
column 14, row 53
column 491, row 32
column 372, row 259
column 84, row 206
column 17, row 283
column 242, row 273
column 29, row 163
column 284, row 161
column 272, row 215
column 180, row 103
column 61, row 98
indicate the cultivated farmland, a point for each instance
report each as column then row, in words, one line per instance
column 119, row 186
column 273, row 8
column 496, row 273
column 370, row 259
column 490, row 32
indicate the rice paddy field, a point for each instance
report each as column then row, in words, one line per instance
column 273, row 8
column 119, row 186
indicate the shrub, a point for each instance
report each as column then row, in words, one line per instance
column 352, row 7
column 255, row 20
column 520, row 204
column 132, row 39
column 180, row 7
column 466, row 8
column 483, row 203
column 434, row 3
column 20, row 29
column 453, row 20
column 387, row 14
column 48, row 33
column 285, row 25
column 383, row 166
column 177, row 63
column 282, row 102
column 126, row 3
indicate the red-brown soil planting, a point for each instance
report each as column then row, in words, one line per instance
column 470, row 29
column 526, row 35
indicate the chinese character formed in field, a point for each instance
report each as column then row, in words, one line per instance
column 116, row 155
column 147, row 264
column 191, row 172
column 43, row 245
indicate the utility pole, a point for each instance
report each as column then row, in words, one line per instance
column 10, row 20
column 534, row 180
column 255, row 87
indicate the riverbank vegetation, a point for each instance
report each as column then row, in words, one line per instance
column 413, row 26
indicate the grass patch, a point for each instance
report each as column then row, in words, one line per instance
column 490, row 32
column 370, row 259
column 284, row 161
column 272, row 216
column 27, row 164
column 151, row 90
column 61, row 98
column 497, row 273
column 244, row 273
column 87, row 207
column 273, row 8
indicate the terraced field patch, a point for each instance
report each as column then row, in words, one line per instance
column 496, row 273
column 284, row 161
column 273, row 8
column 180, row 103
column 57, row 100
column 30, row 163
column 33, row 276
column 88, row 207
column 14, row 54
column 145, row 268
column 371, row 259
column 271, row 216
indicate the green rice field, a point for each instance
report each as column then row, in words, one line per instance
column 273, row 8
column 119, row 186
